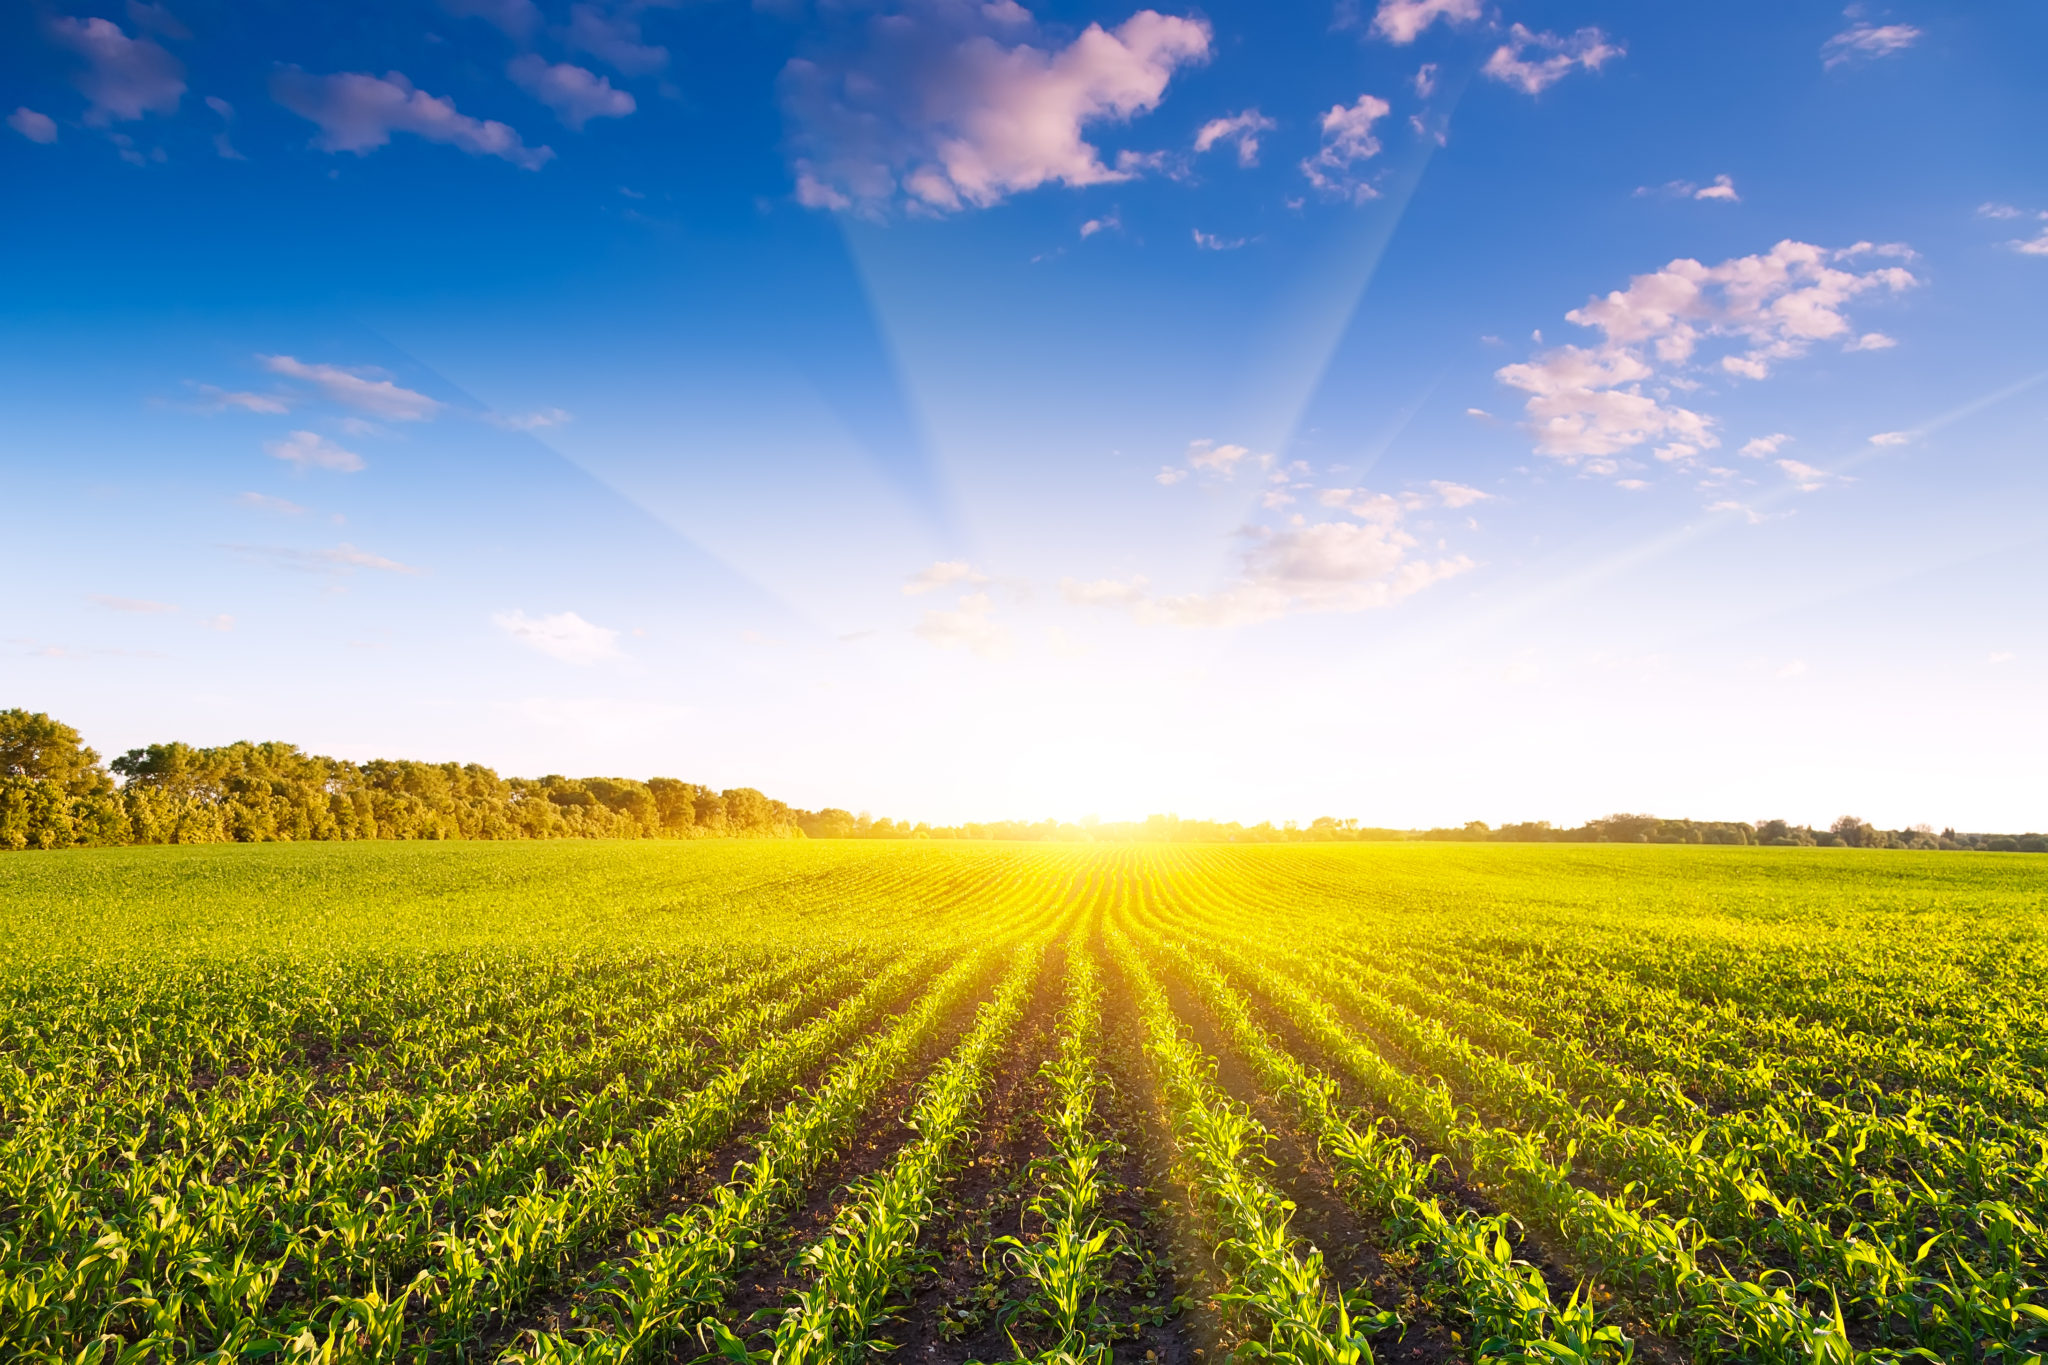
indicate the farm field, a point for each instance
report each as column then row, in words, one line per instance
column 827, row 1102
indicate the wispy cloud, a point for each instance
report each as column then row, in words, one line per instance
column 1533, row 62
column 263, row 502
column 310, row 450
column 968, row 625
column 343, row 558
column 611, row 33
column 1242, row 129
column 225, row 400
column 1209, row 241
column 563, row 635
column 138, row 606
column 529, row 421
column 363, row 389
column 941, row 574
column 357, row 112
column 1720, row 190
column 1863, row 41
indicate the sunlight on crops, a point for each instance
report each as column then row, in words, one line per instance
column 814, row 1102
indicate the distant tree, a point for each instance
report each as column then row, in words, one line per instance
column 35, row 746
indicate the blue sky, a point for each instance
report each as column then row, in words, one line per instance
column 1420, row 411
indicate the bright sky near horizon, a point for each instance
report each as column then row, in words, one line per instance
column 1412, row 410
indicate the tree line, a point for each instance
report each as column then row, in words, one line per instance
column 56, row 793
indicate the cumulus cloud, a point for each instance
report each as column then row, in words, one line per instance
column 946, row 104
column 1865, row 42
column 124, row 78
column 941, row 574
column 2000, row 211
column 1425, row 80
column 1209, row 241
column 969, row 625
column 358, row 112
column 363, row 389
column 612, row 35
column 1533, row 62
column 33, row 126
column 1109, row 222
column 1347, row 141
column 1104, row 592
column 1892, row 438
column 575, row 94
column 1722, row 189
column 2035, row 246
column 563, row 635
column 1760, row 446
column 310, row 450
column 1217, row 459
column 1600, row 401
column 1403, row 21
column 1242, row 130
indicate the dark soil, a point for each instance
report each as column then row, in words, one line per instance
column 1355, row 1254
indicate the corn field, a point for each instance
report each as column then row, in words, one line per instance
column 818, row 1104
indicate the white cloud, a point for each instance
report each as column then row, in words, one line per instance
column 358, row 388
column 1218, row 459
column 563, row 635
column 263, row 502
column 1722, row 189
column 950, row 105
column 966, row 627
column 33, row 126
column 358, row 112
column 1169, row 475
column 529, row 421
column 1891, row 438
column 613, row 38
column 1304, row 566
column 1806, row 476
column 1209, row 241
column 222, row 400
column 124, row 77
column 1758, row 447
column 940, row 574
column 577, row 95
column 1871, row 341
column 1862, row 41
column 1592, row 401
column 1104, row 592
column 1588, row 49
column 1748, row 513
column 1347, row 140
column 1403, row 21
column 1242, row 129
column 2037, row 246
column 1999, row 211
column 516, row 18
column 311, row 450
column 1107, row 223
column 1456, row 495
column 1425, row 80
column 222, row 623
column 137, row 606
